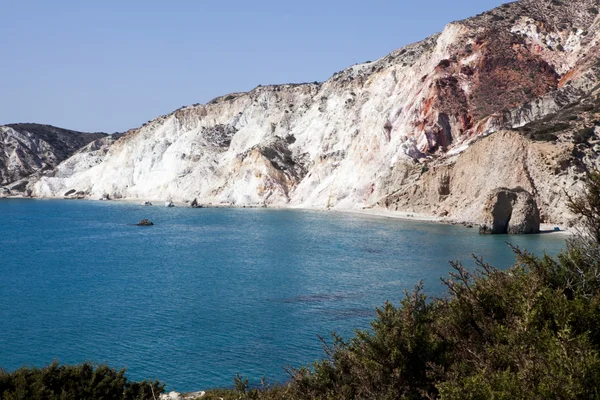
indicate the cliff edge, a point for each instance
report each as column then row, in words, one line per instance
column 508, row 98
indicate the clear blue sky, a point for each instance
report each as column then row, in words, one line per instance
column 112, row 65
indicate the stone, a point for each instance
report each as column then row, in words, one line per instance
column 512, row 211
column 171, row 396
column 194, row 395
column 19, row 186
column 70, row 192
column 145, row 222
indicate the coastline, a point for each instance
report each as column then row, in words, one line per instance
column 545, row 228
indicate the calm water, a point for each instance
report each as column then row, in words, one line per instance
column 206, row 293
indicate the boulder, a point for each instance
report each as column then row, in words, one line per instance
column 19, row 186
column 194, row 204
column 70, row 192
column 145, row 222
column 194, row 395
column 171, row 396
column 512, row 211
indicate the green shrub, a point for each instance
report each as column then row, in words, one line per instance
column 543, row 132
column 531, row 332
column 85, row 381
column 583, row 135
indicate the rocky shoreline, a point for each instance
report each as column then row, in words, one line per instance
column 370, row 212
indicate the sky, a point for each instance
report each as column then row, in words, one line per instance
column 109, row 66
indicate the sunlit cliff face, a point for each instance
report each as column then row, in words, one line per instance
column 373, row 134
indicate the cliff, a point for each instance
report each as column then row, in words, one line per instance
column 26, row 149
column 507, row 98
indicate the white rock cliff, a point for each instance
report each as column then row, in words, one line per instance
column 384, row 134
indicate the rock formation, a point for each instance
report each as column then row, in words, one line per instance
column 194, row 204
column 512, row 211
column 29, row 148
column 430, row 128
column 145, row 222
column 182, row 396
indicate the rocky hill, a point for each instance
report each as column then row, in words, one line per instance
column 26, row 149
column 509, row 98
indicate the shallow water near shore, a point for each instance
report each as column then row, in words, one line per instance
column 206, row 293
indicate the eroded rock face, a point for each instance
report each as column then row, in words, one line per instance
column 29, row 148
column 371, row 135
column 512, row 211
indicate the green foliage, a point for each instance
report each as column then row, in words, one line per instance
column 531, row 332
column 583, row 135
column 243, row 391
column 543, row 132
column 389, row 361
column 84, row 381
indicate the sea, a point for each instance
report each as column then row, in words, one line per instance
column 208, row 293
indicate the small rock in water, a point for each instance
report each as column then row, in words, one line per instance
column 145, row 222
column 195, row 204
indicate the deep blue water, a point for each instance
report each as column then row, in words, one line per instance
column 207, row 293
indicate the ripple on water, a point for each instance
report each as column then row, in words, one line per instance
column 207, row 293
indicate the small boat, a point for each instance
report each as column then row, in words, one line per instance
column 146, row 203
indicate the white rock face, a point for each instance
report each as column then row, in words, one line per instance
column 21, row 154
column 306, row 145
column 350, row 142
column 26, row 149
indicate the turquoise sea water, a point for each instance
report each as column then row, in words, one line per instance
column 207, row 293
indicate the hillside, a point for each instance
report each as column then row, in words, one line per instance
column 29, row 148
column 504, row 99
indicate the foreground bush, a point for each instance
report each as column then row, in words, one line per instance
column 85, row 382
column 530, row 332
